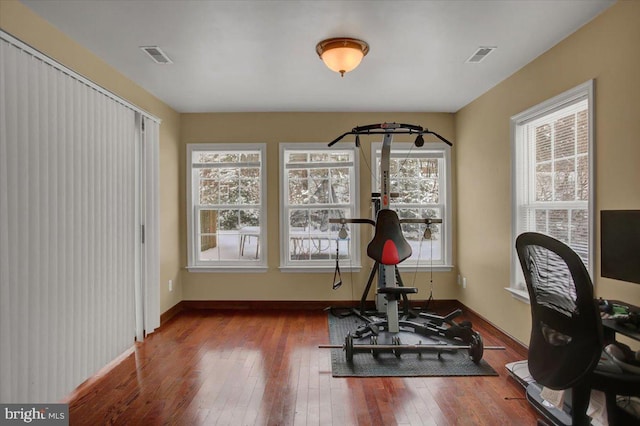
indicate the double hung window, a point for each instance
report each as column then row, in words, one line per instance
column 227, row 206
column 317, row 184
column 420, row 188
column 553, row 174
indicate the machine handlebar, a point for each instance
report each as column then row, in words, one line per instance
column 427, row 221
column 386, row 128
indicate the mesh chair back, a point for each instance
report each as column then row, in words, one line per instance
column 566, row 331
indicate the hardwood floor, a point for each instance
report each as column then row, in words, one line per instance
column 263, row 367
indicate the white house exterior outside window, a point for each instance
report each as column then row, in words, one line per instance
column 226, row 201
column 317, row 184
column 421, row 179
column 553, row 175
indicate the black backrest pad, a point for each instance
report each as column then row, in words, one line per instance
column 566, row 330
column 388, row 245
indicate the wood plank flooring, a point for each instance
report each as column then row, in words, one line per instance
column 263, row 367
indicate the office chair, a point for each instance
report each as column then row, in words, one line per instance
column 566, row 333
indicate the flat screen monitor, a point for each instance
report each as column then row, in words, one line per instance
column 620, row 245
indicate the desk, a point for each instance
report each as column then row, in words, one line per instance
column 610, row 327
column 520, row 371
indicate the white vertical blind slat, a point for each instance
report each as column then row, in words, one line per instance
column 5, row 371
column 86, row 307
column 37, row 224
column 152, row 227
column 51, row 296
column 20, row 232
column 100, row 243
column 67, row 228
column 139, row 207
column 6, row 291
column 33, row 246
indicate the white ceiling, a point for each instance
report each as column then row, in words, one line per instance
column 260, row 55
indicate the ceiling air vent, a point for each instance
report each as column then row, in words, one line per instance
column 156, row 54
column 480, row 54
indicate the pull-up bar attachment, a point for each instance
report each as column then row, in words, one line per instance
column 388, row 128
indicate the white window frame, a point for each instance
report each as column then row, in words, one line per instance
column 441, row 151
column 193, row 209
column 316, row 265
column 523, row 186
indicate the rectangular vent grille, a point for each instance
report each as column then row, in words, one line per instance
column 480, row 54
column 157, row 55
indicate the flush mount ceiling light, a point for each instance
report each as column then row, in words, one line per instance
column 342, row 54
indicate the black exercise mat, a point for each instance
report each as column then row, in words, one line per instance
column 387, row 365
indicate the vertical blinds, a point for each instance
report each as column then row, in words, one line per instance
column 68, row 225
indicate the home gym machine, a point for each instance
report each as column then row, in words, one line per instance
column 388, row 248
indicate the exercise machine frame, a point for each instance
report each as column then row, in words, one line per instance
column 390, row 286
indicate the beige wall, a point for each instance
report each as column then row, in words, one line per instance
column 22, row 23
column 272, row 128
column 606, row 50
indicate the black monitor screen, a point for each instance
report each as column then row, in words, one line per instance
column 620, row 244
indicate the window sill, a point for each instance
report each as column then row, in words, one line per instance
column 319, row 269
column 520, row 295
column 225, row 269
column 425, row 268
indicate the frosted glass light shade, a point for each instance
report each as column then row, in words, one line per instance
column 342, row 54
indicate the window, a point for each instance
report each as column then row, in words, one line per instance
column 317, row 184
column 421, row 179
column 227, row 205
column 553, row 174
